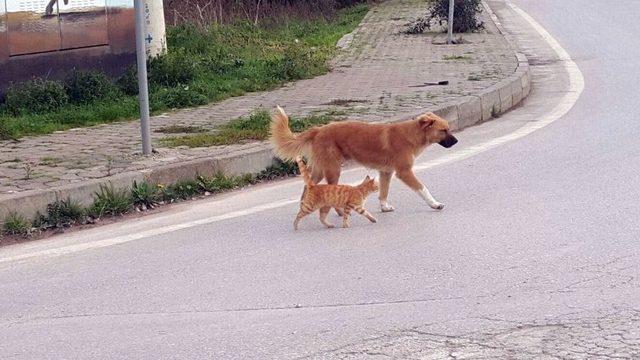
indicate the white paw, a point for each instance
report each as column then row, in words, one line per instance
column 437, row 206
column 386, row 207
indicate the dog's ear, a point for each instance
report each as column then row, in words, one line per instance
column 426, row 122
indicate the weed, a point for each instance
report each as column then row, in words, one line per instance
column 202, row 65
column 465, row 17
column 128, row 82
column 180, row 129
column 28, row 170
column 50, row 161
column 144, row 195
column 6, row 132
column 16, row 224
column 494, row 112
column 36, row 96
column 110, row 201
column 64, row 213
column 88, row 87
column 457, row 57
column 176, row 97
column 344, row 102
column 182, row 190
column 220, row 182
column 177, row 67
column 253, row 127
column 474, row 77
column 279, row 169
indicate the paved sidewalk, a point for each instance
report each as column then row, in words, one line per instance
column 382, row 69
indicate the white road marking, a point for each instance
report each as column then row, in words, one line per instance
column 568, row 101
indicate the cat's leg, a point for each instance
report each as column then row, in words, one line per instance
column 323, row 217
column 362, row 211
column 302, row 213
column 332, row 174
column 345, row 217
column 385, row 180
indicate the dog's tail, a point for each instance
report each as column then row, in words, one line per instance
column 304, row 172
column 288, row 145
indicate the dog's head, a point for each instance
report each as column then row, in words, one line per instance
column 369, row 184
column 436, row 130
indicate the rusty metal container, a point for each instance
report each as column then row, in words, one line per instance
column 47, row 38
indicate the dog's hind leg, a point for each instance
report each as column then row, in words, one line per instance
column 332, row 174
column 385, row 180
column 408, row 177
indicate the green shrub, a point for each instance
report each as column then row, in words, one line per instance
column 465, row 17
column 111, row 201
column 35, row 97
column 279, row 169
column 300, row 62
column 15, row 224
column 221, row 182
column 144, row 195
column 175, row 68
column 177, row 97
column 6, row 132
column 253, row 127
column 182, row 190
column 86, row 87
column 128, row 82
column 64, row 213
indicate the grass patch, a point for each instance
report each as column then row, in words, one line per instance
column 203, row 65
column 50, row 161
column 221, row 182
column 145, row 196
column 111, row 201
column 345, row 102
column 278, row 170
column 457, row 57
column 180, row 129
column 15, row 224
column 253, row 127
column 61, row 213
column 474, row 77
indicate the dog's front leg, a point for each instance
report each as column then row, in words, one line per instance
column 409, row 178
column 385, row 180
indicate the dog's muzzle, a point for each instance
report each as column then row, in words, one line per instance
column 449, row 141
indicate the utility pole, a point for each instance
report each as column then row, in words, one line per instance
column 450, row 22
column 143, row 86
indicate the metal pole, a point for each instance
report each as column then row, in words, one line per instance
column 450, row 23
column 143, row 86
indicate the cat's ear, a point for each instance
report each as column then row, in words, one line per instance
column 368, row 178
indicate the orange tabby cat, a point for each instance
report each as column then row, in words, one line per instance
column 342, row 197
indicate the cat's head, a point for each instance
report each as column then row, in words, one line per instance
column 369, row 184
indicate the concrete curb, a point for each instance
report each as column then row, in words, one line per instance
column 462, row 113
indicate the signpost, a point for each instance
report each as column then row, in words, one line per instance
column 450, row 23
column 143, row 86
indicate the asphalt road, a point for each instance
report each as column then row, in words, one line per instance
column 535, row 256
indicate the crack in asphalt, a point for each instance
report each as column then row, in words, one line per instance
column 611, row 335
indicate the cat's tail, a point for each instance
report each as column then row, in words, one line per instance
column 304, row 171
column 287, row 144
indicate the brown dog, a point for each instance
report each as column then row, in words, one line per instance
column 388, row 148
